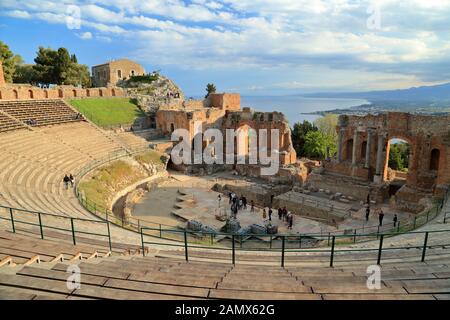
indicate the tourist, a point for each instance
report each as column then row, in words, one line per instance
column 395, row 220
column 380, row 216
column 367, row 212
column 230, row 197
column 252, row 206
column 241, row 204
column 280, row 213
column 264, row 213
column 244, row 202
column 270, row 214
column 72, row 180
column 291, row 221
column 66, row 180
column 219, row 198
column 285, row 212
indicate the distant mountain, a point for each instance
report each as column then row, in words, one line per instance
column 425, row 94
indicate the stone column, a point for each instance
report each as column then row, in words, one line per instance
column 380, row 158
column 368, row 148
column 355, row 148
column 339, row 144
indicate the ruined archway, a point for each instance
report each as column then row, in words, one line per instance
column 398, row 157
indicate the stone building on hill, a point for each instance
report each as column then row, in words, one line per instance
column 110, row 73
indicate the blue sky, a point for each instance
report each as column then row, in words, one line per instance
column 255, row 47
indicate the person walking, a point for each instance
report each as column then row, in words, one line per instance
column 264, row 213
column 219, row 199
column 66, row 180
column 270, row 214
column 380, row 217
column 244, row 202
column 291, row 221
column 252, row 206
column 395, row 220
column 280, row 213
column 284, row 216
column 367, row 212
column 72, row 180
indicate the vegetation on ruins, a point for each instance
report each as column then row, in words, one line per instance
column 108, row 111
column 399, row 156
column 148, row 78
column 210, row 88
column 106, row 181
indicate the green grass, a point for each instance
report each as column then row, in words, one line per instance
column 150, row 157
column 108, row 111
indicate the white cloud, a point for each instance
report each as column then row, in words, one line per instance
column 270, row 34
column 85, row 35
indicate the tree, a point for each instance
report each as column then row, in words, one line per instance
column 316, row 145
column 298, row 134
column 9, row 61
column 327, row 126
column 59, row 67
column 210, row 88
column 24, row 74
column 399, row 156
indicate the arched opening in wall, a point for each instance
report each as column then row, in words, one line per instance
column 88, row 93
column 74, row 92
column 45, row 94
column 172, row 127
column 30, row 94
column 398, row 163
column 60, row 93
column 363, row 150
column 349, row 150
column 15, row 94
column 434, row 159
column 1, row 95
column 100, row 92
column 113, row 92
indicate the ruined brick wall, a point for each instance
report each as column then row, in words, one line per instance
column 225, row 101
column 109, row 74
column 27, row 92
column 364, row 144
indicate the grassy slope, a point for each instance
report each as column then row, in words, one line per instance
column 115, row 176
column 107, row 111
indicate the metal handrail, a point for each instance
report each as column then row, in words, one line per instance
column 14, row 221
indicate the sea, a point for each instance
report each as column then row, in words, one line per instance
column 293, row 107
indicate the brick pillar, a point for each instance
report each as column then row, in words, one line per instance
column 339, row 144
column 2, row 76
column 380, row 157
column 368, row 147
column 355, row 148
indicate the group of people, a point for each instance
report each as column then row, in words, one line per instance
column 68, row 179
column 283, row 215
column 379, row 212
column 237, row 203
